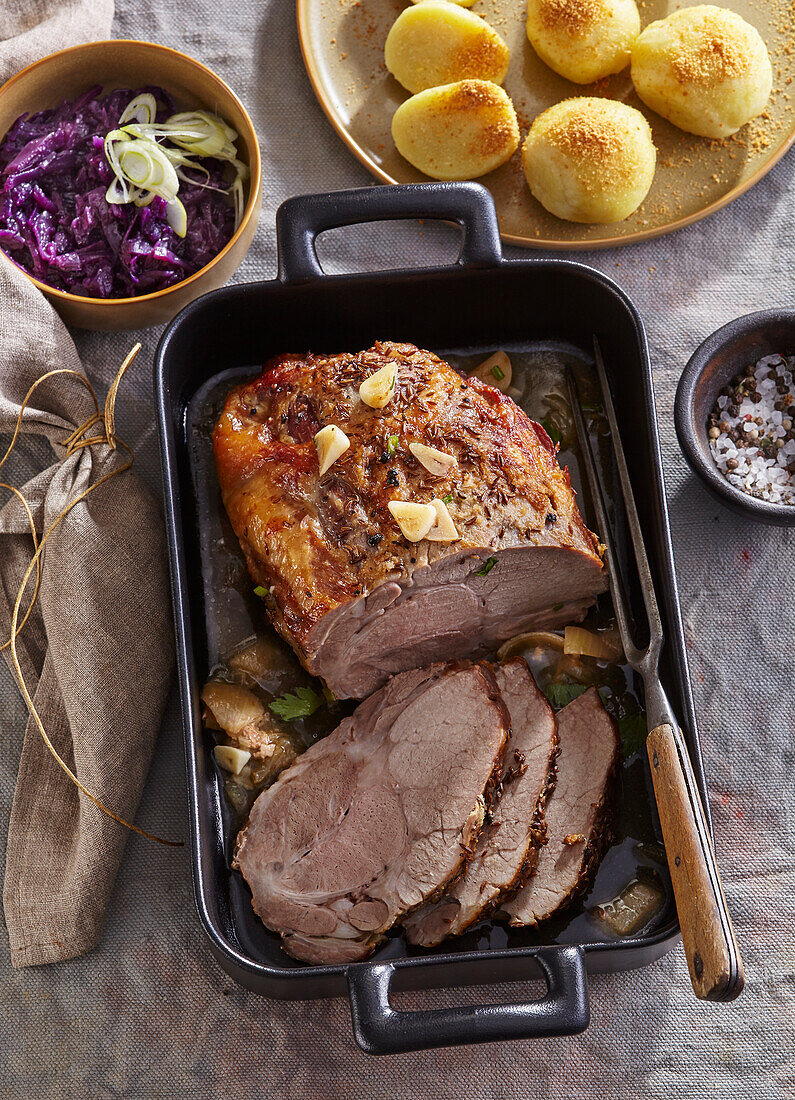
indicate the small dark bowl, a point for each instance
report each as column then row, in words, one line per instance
column 712, row 366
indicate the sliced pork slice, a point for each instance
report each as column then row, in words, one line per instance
column 577, row 814
column 508, row 848
column 379, row 815
column 341, row 582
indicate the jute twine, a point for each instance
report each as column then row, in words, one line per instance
column 101, row 425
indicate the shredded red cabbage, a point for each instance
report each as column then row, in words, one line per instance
column 56, row 223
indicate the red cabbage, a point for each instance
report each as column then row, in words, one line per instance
column 56, row 224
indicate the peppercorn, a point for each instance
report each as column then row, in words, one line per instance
column 714, row 432
column 732, row 464
column 755, row 397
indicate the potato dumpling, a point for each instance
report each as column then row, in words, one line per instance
column 461, row 3
column 457, row 132
column 437, row 42
column 590, row 160
column 583, row 40
column 704, row 69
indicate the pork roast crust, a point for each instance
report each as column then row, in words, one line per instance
column 508, row 848
column 379, row 815
column 580, row 806
column 355, row 599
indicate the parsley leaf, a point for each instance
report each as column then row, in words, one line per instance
column 301, row 705
column 632, row 731
column 560, row 695
column 447, row 499
column 260, row 591
column 487, row 568
column 392, row 445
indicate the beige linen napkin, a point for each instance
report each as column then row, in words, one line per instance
column 30, row 29
column 96, row 653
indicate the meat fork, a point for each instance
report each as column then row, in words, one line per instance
column 713, row 957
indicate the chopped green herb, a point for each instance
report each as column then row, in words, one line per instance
column 301, row 705
column 560, row 695
column 498, row 372
column 487, row 568
column 557, row 606
column 260, row 591
column 391, row 446
column 632, row 731
column 551, row 428
column 447, row 499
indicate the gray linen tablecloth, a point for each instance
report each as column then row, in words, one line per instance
column 150, row 1014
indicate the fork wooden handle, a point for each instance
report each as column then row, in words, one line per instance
column 713, row 957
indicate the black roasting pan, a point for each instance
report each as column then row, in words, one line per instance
column 480, row 303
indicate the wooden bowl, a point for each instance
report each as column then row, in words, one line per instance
column 712, row 366
column 124, row 63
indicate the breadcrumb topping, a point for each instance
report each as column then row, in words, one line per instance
column 572, row 16
column 717, row 52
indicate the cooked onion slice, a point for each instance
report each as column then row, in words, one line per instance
column 435, row 462
column 579, row 642
column 636, row 905
column 414, row 520
column 543, row 638
column 330, row 443
column 495, row 371
column 233, row 707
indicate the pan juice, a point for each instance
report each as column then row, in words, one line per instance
column 234, row 617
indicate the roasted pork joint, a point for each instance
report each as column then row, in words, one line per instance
column 508, row 848
column 356, row 598
column 379, row 815
column 578, row 813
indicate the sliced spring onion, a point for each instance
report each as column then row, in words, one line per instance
column 144, row 166
column 177, row 217
column 143, row 109
column 238, row 198
column 118, row 192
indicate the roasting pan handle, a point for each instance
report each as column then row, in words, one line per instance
column 380, row 1029
column 300, row 220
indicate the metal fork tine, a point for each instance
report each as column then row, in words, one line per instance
column 620, row 607
column 633, row 520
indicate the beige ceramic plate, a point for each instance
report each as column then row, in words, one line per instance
column 343, row 42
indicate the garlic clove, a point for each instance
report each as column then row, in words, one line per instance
column 495, row 371
column 377, row 390
column 231, row 759
column 330, row 443
column 414, row 520
column 435, row 462
column 444, row 530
